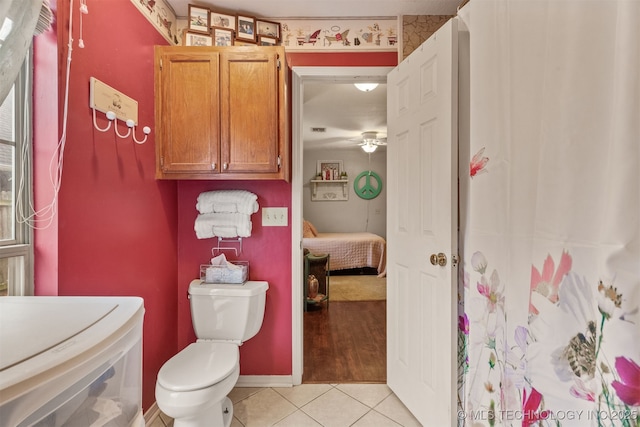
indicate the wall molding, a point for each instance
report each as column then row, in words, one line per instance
column 305, row 35
column 152, row 413
column 161, row 16
column 265, row 381
column 313, row 35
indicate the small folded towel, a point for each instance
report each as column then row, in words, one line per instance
column 222, row 225
column 231, row 201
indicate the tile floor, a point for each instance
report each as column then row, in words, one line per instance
column 306, row 405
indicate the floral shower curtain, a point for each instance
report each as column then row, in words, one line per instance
column 549, row 323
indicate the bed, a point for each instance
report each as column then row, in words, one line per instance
column 348, row 250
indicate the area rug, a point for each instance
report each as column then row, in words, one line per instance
column 357, row 288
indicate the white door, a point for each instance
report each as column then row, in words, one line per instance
column 421, row 221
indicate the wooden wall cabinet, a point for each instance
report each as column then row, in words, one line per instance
column 221, row 113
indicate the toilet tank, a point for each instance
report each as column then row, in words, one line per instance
column 221, row 312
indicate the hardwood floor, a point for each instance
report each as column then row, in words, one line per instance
column 345, row 343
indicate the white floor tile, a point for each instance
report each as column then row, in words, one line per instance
column 157, row 423
column 298, row 419
column 165, row 418
column 302, row 394
column 240, row 393
column 335, row 409
column 315, row 405
column 375, row 419
column 263, row 409
column 393, row 408
column 369, row 394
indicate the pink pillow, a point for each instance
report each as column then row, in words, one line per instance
column 308, row 230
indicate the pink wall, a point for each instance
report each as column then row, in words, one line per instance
column 117, row 225
column 343, row 59
column 268, row 251
column 121, row 232
column 45, row 140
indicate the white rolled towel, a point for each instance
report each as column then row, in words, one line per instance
column 222, row 225
column 220, row 201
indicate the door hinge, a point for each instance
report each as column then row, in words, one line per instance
column 279, row 163
column 161, row 64
column 278, row 63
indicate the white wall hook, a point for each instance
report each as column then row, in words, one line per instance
column 105, row 98
column 110, row 115
column 115, row 127
column 146, row 130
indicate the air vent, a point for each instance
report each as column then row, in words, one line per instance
column 320, row 130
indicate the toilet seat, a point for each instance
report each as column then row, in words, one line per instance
column 200, row 365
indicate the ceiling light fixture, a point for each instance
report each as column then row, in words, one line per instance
column 366, row 87
column 369, row 147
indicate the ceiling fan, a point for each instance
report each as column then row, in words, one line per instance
column 371, row 140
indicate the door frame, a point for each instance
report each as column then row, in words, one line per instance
column 300, row 76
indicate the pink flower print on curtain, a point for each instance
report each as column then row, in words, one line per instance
column 478, row 162
column 548, row 282
column 530, row 408
column 492, row 291
column 628, row 388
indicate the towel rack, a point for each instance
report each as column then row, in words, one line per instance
column 224, row 240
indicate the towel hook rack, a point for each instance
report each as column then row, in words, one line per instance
column 237, row 250
column 116, row 106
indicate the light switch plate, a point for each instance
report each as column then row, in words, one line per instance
column 275, row 217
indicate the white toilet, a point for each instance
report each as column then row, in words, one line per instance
column 192, row 386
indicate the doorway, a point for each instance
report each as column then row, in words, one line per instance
column 302, row 75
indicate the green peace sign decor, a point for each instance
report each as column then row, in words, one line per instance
column 365, row 188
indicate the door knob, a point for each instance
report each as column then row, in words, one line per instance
column 439, row 259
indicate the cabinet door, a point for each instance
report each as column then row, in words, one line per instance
column 251, row 130
column 187, row 112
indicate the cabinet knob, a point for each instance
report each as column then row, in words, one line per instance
column 225, row 165
column 213, row 166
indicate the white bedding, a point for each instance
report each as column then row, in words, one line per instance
column 350, row 250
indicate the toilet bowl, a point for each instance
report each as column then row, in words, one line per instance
column 192, row 386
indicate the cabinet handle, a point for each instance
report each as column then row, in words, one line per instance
column 225, row 165
column 213, row 166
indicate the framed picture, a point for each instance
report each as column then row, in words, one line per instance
column 268, row 29
column 246, row 28
column 267, row 41
column 222, row 36
column 330, row 169
column 198, row 19
column 197, row 39
column 222, row 20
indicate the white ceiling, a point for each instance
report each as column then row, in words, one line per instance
column 322, row 8
column 344, row 111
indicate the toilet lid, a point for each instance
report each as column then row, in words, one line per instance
column 199, row 366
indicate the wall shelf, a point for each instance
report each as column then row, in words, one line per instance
column 329, row 190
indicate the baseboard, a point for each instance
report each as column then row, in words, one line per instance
column 152, row 413
column 265, row 381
